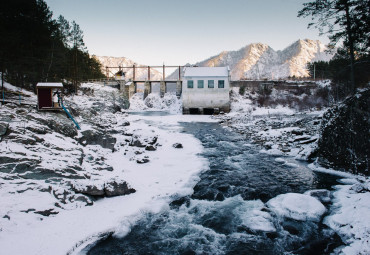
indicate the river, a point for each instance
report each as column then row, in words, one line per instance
column 226, row 213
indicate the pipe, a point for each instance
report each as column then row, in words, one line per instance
column 70, row 116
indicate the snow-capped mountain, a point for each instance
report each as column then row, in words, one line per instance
column 259, row 61
column 254, row 61
column 140, row 73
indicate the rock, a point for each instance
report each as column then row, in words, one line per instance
column 142, row 160
column 46, row 212
column 344, row 141
column 296, row 206
column 109, row 188
column 359, row 188
column 177, row 146
column 91, row 190
column 297, row 132
column 321, row 194
column 3, row 128
column 125, row 123
column 114, row 188
column 41, row 130
column 141, row 139
column 97, row 137
column 150, row 148
column 83, row 199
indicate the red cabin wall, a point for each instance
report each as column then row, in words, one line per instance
column 44, row 97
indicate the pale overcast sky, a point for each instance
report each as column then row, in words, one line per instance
column 176, row 32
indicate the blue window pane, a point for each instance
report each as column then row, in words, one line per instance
column 200, row 84
column 211, row 84
column 221, row 84
column 190, row 84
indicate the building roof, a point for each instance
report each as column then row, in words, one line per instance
column 49, row 85
column 206, row 71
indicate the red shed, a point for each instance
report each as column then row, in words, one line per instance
column 49, row 95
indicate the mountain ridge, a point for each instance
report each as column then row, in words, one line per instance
column 253, row 61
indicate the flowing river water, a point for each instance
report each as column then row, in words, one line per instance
column 226, row 213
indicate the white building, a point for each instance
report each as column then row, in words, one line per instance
column 206, row 90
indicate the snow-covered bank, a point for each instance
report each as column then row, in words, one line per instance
column 43, row 214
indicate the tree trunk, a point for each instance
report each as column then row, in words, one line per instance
column 351, row 47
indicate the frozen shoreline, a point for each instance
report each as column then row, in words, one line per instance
column 166, row 178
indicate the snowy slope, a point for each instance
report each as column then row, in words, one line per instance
column 259, row 61
column 140, row 73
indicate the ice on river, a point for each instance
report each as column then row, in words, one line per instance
column 297, row 206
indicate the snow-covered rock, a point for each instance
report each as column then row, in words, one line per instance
column 297, row 206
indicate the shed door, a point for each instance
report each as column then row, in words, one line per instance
column 44, row 97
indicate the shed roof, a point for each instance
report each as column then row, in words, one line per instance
column 49, row 85
column 206, row 71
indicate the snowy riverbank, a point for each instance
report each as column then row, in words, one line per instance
column 285, row 132
column 45, row 165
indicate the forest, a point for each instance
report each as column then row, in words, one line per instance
column 35, row 47
column 347, row 24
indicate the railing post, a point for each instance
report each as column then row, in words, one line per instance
column 133, row 73
column 164, row 74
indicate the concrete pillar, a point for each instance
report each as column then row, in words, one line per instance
column 185, row 110
column 125, row 89
column 200, row 110
column 162, row 89
column 122, row 86
column 178, row 88
column 131, row 89
column 147, row 88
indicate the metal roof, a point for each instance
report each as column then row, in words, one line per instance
column 206, row 71
column 49, row 85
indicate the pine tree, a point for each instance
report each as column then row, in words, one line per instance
column 343, row 20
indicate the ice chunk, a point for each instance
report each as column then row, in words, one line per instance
column 297, row 206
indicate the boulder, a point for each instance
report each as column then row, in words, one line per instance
column 97, row 137
column 150, row 148
column 108, row 188
column 177, row 146
column 142, row 139
column 3, row 128
column 117, row 188
column 344, row 141
column 296, row 206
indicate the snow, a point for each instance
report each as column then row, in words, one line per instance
column 49, row 84
column 297, row 206
column 351, row 219
column 153, row 102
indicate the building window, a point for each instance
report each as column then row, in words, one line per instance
column 211, row 84
column 200, row 84
column 190, row 84
column 221, row 84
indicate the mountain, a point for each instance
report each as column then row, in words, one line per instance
column 140, row 73
column 254, row 61
column 259, row 61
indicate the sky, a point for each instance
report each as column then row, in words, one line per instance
column 176, row 32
